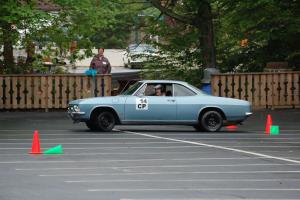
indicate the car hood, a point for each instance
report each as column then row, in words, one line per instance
column 98, row 100
column 77, row 101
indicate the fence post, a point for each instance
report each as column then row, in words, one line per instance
column 102, row 86
column 95, row 86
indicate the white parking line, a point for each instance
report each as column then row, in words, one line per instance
column 256, row 133
column 249, row 142
column 40, row 130
column 202, row 199
column 109, row 148
column 178, row 180
column 120, row 143
column 94, row 138
column 193, row 189
column 232, row 139
column 138, row 153
column 161, row 147
column 113, row 143
column 160, row 132
column 170, row 173
column 219, row 147
column 129, row 160
column 153, row 166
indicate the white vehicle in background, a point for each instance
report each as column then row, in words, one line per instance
column 136, row 55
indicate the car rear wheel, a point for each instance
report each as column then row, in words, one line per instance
column 198, row 127
column 105, row 121
column 211, row 121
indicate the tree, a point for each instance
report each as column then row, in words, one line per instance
column 248, row 34
column 14, row 16
column 23, row 23
column 178, row 56
column 271, row 27
column 198, row 14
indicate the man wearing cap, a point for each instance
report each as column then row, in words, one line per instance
column 100, row 63
column 159, row 90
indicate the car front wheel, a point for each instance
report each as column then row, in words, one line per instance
column 211, row 121
column 91, row 125
column 105, row 121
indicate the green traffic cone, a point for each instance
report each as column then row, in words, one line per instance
column 274, row 130
column 55, row 150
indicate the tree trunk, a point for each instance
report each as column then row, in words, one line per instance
column 8, row 55
column 30, row 50
column 206, row 40
column 203, row 21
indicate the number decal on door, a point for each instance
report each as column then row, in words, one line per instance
column 141, row 104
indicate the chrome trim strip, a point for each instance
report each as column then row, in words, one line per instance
column 248, row 113
column 77, row 113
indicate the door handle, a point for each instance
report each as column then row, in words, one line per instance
column 171, row 100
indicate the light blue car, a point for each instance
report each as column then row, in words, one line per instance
column 160, row 102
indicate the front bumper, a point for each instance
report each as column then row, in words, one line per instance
column 75, row 116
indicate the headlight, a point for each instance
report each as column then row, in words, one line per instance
column 76, row 108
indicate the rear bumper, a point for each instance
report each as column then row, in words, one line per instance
column 237, row 121
column 248, row 114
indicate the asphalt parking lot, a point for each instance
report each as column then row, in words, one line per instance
column 149, row 162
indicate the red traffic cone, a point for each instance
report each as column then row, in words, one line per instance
column 36, row 149
column 268, row 124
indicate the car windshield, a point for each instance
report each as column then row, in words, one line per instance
column 132, row 89
column 141, row 49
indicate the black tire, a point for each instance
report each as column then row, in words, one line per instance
column 91, row 125
column 211, row 121
column 105, row 121
column 198, row 127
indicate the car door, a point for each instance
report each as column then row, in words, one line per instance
column 143, row 106
column 188, row 103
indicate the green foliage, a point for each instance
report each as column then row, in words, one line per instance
column 59, row 70
column 178, row 55
column 272, row 28
column 92, row 23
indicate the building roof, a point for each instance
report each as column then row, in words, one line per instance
column 45, row 5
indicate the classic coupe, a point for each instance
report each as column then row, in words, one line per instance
column 159, row 102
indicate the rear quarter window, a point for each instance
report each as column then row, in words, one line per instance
column 181, row 91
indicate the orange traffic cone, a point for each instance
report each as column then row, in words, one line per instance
column 268, row 124
column 36, row 149
column 231, row 127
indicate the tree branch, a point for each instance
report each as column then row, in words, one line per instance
column 130, row 2
column 170, row 13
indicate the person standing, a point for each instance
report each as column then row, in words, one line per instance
column 100, row 63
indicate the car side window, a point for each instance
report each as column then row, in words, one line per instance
column 141, row 91
column 155, row 89
column 150, row 91
column 180, row 91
